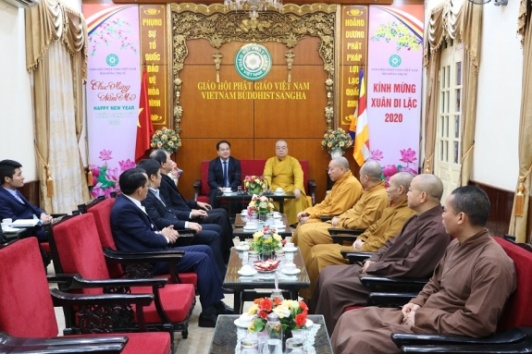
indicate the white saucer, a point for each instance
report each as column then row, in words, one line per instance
column 242, row 324
column 242, row 248
column 249, row 273
column 280, row 229
column 290, row 249
column 229, row 193
column 278, row 193
column 291, row 272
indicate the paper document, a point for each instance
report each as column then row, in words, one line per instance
column 25, row 223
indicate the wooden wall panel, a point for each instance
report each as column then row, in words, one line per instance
column 252, row 126
column 212, row 118
column 301, row 118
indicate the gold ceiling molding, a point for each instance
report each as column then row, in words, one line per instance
column 219, row 25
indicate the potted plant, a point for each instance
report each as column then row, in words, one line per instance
column 336, row 142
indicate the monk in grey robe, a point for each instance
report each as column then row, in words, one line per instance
column 465, row 296
column 414, row 253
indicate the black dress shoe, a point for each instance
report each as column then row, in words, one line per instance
column 207, row 320
column 223, row 309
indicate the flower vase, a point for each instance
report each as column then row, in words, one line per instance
column 257, row 191
column 266, row 253
column 336, row 153
column 263, row 218
column 287, row 333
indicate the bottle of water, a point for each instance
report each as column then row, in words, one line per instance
column 275, row 334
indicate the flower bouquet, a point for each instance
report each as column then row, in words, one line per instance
column 261, row 205
column 254, row 184
column 293, row 314
column 166, row 139
column 336, row 140
column 266, row 241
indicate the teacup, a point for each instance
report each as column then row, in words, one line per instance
column 276, row 215
column 290, row 267
column 279, row 190
column 278, row 223
column 251, row 225
column 289, row 245
column 7, row 221
column 226, row 189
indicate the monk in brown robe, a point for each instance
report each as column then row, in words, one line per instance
column 365, row 212
column 465, row 296
column 387, row 227
column 344, row 193
column 414, row 253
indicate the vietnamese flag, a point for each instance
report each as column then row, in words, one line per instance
column 144, row 125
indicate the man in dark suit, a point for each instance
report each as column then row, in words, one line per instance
column 224, row 172
column 133, row 231
column 190, row 209
column 13, row 205
column 206, row 234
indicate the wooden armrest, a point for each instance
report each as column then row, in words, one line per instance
column 197, row 188
column 311, row 185
column 143, row 257
column 338, row 231
column 325, row 218
column 103, row 345
column 356, row 257
column 389, row 299
column 341, row 236
column 512, row 336
column 375, row 283
column 80, row 282
column 61, row 298
column 172, row 257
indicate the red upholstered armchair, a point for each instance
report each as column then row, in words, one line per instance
column 27, row 315
column 514, row 329
column 80, row 251
column 102, row 216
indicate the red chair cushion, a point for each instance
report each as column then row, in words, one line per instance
column 102, row 217
column 517, row 312
column 80, row 250
column 140, row 343
column 177, row 300
column 26, row 308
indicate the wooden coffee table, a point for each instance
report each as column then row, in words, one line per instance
column 247, row 288
column 243, row 234
column 246, row 197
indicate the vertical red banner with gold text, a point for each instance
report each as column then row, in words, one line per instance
column 154, row 58
column 353, row 57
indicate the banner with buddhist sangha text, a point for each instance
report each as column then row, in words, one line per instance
column 112, row 91
column 394, row 79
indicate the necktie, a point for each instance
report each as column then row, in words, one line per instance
column 226, row 178
column 19, row 198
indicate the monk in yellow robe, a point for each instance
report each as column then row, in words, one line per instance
column 367, row 210
column 344, row 194
column 284, row 171
column 376, row 235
